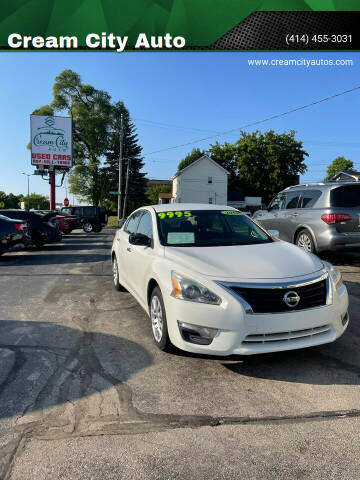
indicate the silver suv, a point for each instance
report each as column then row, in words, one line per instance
column 316, row 217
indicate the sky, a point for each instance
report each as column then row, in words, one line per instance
column 180, row 97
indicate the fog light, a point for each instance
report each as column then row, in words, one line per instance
column 197, row 334
column 345, row 318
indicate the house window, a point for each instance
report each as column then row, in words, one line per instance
column 209, row 179
column 210, row 200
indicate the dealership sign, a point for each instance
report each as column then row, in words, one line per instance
column 51, row 141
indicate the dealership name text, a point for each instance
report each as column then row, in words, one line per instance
column 94, row 40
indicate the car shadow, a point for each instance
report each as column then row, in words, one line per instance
column 38, row 259
column 46, row 364
column 344, row 259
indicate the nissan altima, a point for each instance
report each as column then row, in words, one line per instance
column 213, row 281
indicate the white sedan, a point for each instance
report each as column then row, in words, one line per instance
column 213, row 281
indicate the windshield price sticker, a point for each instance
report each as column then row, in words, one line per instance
column 230, row 212
column 178, row 214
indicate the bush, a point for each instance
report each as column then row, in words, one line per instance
column 112, row 222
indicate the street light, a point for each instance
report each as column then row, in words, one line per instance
column 28, row 193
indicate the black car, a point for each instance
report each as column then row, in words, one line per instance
column 91, row 218
column 13, row 234
column 41, row 230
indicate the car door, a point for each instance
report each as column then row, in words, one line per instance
column 140, row 257
column 290, row 216
column 122, row 246
column 270, row 218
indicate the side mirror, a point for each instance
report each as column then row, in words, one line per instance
column 120, row 222
column 275, row 234
column 139, row 239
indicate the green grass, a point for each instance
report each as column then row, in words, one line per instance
column 112, row 222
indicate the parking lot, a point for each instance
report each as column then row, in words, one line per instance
column 85, row 394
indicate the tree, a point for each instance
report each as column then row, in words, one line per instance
column 191, row 157
column 153, row 192
column 268, row 162
column 131, row 153
column 339, row 164
column 9, row 201
column 37, row 201
column 91, row 112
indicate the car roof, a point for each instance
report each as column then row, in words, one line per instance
column 319, row 186
column 169, row 207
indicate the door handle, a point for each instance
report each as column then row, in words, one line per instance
column 128, row 249
column 294, row 214
column 118, row 239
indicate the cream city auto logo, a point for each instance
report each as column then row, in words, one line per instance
column 51, row 137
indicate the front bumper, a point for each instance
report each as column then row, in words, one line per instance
column 247, row 334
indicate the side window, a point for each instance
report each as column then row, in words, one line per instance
column 78, row 211
column 310, row 197
column 209, row 179
column 278, row 202
column 131, row 224
column 292, row 200
column 145, row 225
column 88, row 211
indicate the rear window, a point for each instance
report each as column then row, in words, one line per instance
column 346, row 196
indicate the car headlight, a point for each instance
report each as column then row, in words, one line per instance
column 335, row 275
column 187, row 289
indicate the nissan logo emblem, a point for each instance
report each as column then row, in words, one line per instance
column 291, row 299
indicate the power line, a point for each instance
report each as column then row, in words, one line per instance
column 255, row 123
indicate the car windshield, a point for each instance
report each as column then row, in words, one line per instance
column 208, row 228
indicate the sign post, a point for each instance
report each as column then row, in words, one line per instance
column 51, row 146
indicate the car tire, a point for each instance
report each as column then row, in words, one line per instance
column 305, row 241
column 158, row 321
column 115, row 270
column 88, row 227
column 97, row 229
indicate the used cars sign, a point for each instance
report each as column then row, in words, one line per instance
column 51, row 141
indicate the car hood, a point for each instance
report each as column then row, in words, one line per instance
column 276, row 260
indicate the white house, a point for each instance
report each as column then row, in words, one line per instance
column 203, row 181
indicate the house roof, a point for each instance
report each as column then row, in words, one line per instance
column 196, row 161
column 352, row 174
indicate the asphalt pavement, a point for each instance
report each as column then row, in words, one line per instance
column 85, row 394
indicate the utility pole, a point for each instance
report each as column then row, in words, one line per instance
column 52, row 189
column 121, row 136
column 126, row 188
column 28, row 189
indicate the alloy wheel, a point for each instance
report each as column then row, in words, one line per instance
column 305, row 242
column 88, row 227
column 156, row 318
column 115, row 272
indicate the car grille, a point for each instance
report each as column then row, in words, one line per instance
column 290, row 336
column 271, row 300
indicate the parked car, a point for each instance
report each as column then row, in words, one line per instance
column 60, row 220
column 41, row 229
column 91, row 218
column 13, row 234
column 213, row 281
column 316, row 217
